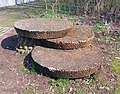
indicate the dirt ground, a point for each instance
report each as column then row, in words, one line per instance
column 12, row 80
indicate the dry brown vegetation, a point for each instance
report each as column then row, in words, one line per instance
column 108, row 8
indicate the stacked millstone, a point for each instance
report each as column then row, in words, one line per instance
column 60, row 50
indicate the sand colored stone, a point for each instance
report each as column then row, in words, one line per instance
column 42, row 28
column 60, row 50
column 68, row 63
column 78, row 37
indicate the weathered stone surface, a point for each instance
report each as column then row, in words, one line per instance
column 79, row 37
column 41, row 28
column 68, row 63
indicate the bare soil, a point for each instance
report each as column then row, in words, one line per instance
column 12, row 79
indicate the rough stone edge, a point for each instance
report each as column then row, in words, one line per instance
column 59, row 73
column 70, row 46
column 68, row 74
column 42, row 35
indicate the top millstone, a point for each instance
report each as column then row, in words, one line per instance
column 42, row 28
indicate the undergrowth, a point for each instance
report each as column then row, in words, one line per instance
column 100, row 27
column 116, row 67
column 25, row 71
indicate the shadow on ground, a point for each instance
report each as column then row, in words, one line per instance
column 31, row 65
column 10, row 43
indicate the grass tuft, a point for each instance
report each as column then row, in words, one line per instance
column 100, row 27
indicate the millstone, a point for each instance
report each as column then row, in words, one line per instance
column 68, row 63
column 79, row 37
column 41, row 28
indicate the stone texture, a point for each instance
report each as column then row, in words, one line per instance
column 79, row 37
column 68, row 63
column 41, row 28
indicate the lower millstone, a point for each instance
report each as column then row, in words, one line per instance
column 78, row 37
column 68, row 63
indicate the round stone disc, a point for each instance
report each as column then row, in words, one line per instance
column 68, row 63
column 79, row 37
column 42, row 28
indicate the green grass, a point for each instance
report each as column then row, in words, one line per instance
column 89, row 85
column 116, row 66
column 2, row 29
column 116, row 61
column 60, row 85
column 115, row 46
column 100, row 27
column 31, row 90
column 24, row 71
column 80, row 91
column 117, row 89
column 28, row 90
column 63, row 86
column 89, row 80
column 7, row 22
